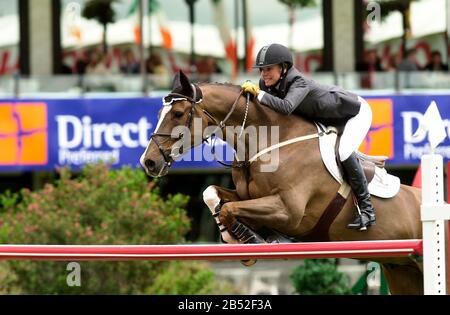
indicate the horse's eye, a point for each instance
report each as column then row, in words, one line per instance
column 178, row 114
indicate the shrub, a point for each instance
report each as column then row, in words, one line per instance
column 320, row 276
column 188, row 278
column 100, row 206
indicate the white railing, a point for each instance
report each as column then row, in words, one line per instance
column 138, row 85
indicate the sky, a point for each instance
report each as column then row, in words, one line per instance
column 8, row 7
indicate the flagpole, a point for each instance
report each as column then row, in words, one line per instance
column 245, row 26
column 236, row 33
column 149, row 19
column 191, row 3
column 447, row 35
column 141, row 48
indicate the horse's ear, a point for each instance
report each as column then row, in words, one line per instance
column 181, row 84
column 184, row 80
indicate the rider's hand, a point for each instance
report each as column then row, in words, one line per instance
column 250, row 87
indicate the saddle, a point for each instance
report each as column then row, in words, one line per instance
column 381, row 184
column 369, row 163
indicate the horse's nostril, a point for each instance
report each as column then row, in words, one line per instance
column 150, row 164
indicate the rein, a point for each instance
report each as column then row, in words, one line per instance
column 292, row 141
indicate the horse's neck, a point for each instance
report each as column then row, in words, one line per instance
column 220, row 100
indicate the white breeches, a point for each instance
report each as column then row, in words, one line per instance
column 355, row 130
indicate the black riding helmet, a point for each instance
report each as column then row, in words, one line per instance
column 273, row 54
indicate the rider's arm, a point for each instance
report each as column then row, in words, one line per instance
column 296, row 94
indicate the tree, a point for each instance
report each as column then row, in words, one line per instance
column 103, row 12
column 99, row 206
column 404, row 7
column 292, row 5
column 320, row 276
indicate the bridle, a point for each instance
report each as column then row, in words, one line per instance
column 198, row 99
column 195, row 100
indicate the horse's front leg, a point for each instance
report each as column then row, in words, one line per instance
column 241, row 218
column 215, row 197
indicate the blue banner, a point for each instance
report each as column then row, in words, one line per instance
column 44, row 134
column 399, row 116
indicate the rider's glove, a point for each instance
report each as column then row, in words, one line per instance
column 250, row 87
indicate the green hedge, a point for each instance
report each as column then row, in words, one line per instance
column 99, row 206
column 320, row 276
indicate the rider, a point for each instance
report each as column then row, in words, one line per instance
column 283, row 88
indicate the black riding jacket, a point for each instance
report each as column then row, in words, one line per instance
column 297, row 94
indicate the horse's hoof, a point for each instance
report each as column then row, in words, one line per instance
column 248, row 262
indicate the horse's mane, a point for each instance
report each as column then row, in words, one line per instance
column 261, row 109
column 226, row 84
column 237, row 88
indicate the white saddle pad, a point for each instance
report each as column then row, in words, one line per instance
column 382, row 185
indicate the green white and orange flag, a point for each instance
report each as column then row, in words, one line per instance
column 250, row 40
column 72, row 15
column 225, row 34
column 154, row 8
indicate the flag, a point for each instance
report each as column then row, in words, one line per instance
column 433, row 123
column 166, row 36
column 249, row 49
column 154, row 8
column 72, row 16
column 132, row 11
column 225, row 34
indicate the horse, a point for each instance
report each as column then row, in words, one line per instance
column 289, row 200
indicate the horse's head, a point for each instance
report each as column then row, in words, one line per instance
column 175, row 118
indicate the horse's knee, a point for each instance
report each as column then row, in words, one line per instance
column 226, row 216
column 292, row 223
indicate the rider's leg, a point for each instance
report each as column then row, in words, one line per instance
column 358, row 183
column 352, row 137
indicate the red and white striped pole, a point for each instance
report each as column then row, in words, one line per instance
column 352, row 249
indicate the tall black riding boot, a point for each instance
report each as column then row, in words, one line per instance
column 358, row 182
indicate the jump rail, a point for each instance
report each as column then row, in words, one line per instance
column 351, row 249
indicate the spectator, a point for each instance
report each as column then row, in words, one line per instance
column 207, row 67
column 155, row 65
column 81, row 63
column 371, row 62
column 393, row 62
column 97, row 64
column 65, row 69
column 159, row 73
column 409, row 63
column 130, row 65
column 369, row 66
column 436, row 63
column 211, row 63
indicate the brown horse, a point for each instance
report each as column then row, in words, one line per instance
column 289, row 200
